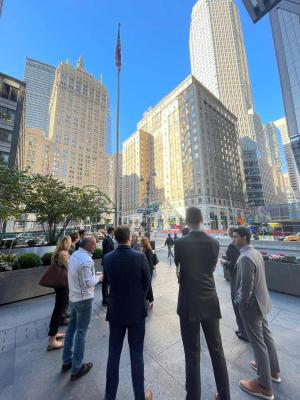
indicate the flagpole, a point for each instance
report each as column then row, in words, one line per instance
column 117, row 172
column 117, row 177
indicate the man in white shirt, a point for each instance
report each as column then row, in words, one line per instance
column 82, row 280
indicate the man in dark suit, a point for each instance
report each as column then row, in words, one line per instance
column 232, row 255
column 107, row 247
column 127, row 273
column 196, row 256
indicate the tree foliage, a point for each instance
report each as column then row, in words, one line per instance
column 54, row 204
column 13, row 186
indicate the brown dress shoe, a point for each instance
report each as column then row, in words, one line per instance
column 274, row 375
column 148, row 395
column 255, row 388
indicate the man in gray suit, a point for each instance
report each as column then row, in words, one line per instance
column 254, row 304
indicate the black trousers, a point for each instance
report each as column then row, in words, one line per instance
column 104, row 290
column 61, row 303
column 136, row 334
column 149, row 295
column 190, row 332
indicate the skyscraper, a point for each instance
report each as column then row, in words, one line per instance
column 79, row 108
column 195, row 157
column 277, row 161
column 289, row 156
column 12, row 121
column 285, row 22
column 38, row 152
column 39, row 78
column 1, row 5
column 218, row 60
column 137, row 155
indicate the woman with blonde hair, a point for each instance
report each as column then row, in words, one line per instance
column 60, row 257
column 135, row 242
column 146, row 248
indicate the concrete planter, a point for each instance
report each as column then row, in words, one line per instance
column 283, row 277
column 21, row 285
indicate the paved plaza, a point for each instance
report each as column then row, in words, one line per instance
column 29, row 372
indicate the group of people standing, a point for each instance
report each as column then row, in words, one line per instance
column 127, row 273
column 127, row 293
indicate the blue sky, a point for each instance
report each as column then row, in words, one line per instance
column 155, row 51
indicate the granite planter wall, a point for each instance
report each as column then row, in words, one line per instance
column 21, row 285
column 283, row 277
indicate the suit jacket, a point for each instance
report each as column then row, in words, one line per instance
column 107, row 245
column 197, row 254
column 232, row 254
column 251, row 280
column 128, row 276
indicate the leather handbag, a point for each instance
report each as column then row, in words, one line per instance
column 56, row 277
column 155, row 259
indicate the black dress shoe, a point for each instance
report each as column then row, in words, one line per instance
column 239, row 335
column 66, row 367
column 83, row 371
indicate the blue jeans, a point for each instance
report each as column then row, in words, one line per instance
column 80, row 317
column 136, row 334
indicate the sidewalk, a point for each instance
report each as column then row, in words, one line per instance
column 28, row 372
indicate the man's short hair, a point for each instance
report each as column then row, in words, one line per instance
column 86, row 241
column 193, row 216
column 242, row 231
column 81, row 231
column 74, row 236
column 110, row 229
column 185, row 230
column 122, row 234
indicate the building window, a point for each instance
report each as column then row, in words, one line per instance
column 4, row 157
column 9, row 92
column 7, row 115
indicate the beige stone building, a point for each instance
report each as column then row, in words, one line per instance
column 136, row 169
column 195, row 157
column 38, row 152
column 218, row 60
column 79, row 111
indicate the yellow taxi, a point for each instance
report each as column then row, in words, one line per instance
column 293, row 238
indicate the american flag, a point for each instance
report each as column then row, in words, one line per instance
column 118, row 52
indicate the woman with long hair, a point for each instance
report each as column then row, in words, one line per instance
column 135, row 242
column 146, row 248
column 61, row 258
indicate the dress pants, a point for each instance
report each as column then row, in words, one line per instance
column 190, row 332
column 136, row 334
column 235, row 306
column 104, row 290
column 262, row 343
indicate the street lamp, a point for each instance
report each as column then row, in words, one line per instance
column 231, row 205
column 148, row 192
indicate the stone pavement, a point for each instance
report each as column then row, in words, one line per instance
column 28, row 372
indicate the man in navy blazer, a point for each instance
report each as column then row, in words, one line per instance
column 127, row 273
column 107, row 247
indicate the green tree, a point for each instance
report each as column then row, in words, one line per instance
column 13, row 190
column 56, row 205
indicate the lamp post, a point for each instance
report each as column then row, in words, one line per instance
column 148, row 193
column 231, row 205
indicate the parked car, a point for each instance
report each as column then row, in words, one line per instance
column 293, row 238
